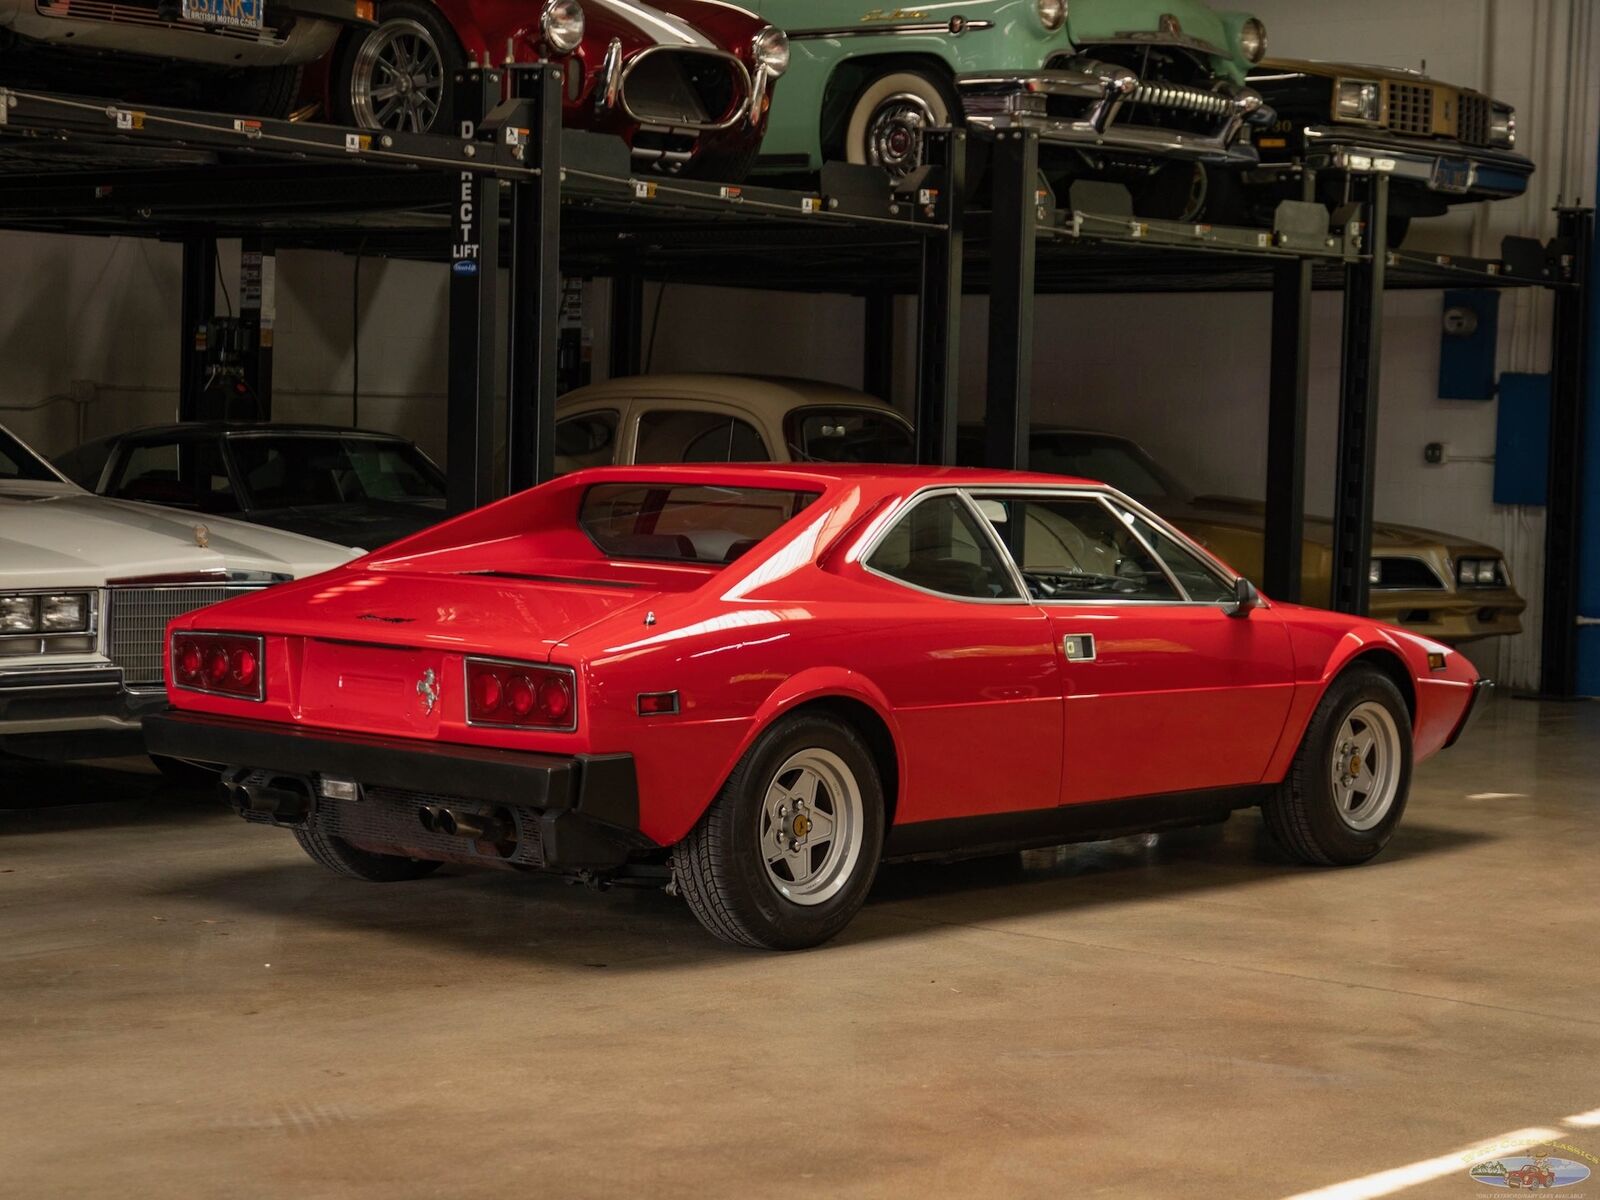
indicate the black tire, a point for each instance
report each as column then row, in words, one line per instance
column 720, row 868
column 186, row 773
column 342, row 858
column 346, row 60
column 269, row 92
column 1176, row 191
column 1302, row 814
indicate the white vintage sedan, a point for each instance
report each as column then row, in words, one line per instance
column 87, row 586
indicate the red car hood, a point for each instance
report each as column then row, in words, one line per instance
column 504, row 616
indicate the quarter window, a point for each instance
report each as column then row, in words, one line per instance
column 690, row 436
column 1077, row 549
column 940, row 547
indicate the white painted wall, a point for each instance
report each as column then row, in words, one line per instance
column 1184, row 374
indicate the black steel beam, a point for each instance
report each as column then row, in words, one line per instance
column 1013, row 236
column 1571, row 359
column 627, row 321
column 474, row 313
column 1360, row 378
column 939, row 307
column 258, row 315
column 535, row 289
column 877, row 344
column 1286, row 430
column 197, row 305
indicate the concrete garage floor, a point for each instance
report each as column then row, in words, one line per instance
column 190, row 1008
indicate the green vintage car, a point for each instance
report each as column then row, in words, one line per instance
column 1130, row 87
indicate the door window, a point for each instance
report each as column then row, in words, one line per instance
column 178, row 474
column 1076, row 548
column 690, row 436
column 939, row 546
column 1200, row 581
column 587, row 440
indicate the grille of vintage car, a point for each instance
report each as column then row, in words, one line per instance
column 1411, row 108
column 1406, row 575
column 1174, row 92
column 137, row 626
column 147, row 13
column 1474, row 113
column 685, row 89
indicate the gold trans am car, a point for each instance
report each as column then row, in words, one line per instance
column 1440, row 586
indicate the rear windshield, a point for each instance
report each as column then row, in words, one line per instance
column 850, row 435
column 684, row 522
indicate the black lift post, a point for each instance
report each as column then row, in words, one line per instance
column 1014, row 227
column 1360, row 378
column 535, row 280
column 474, row 310
column 939, row 307
column 198, row 306
column 1286, row 428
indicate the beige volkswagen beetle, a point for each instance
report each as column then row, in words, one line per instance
column 1435, row 584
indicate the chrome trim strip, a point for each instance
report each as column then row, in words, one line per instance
column 953, row 28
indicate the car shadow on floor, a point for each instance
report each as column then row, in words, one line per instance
column 530, row 916
column 38, row 796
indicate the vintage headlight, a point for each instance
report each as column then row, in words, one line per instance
column 1375, row 572
column 563, row 25
column 770, row 49
column 1052, row 14
column 1502, row 126
column 64, row 614
column 1478, row 572
column 1358, row 100
column 18, row 614
column 1253, row 40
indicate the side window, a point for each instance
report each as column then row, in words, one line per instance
column 1077, row 549
column 940, row 547
column 686, row 436
column 1202, row 583
column 180, row 474
column 587, row 440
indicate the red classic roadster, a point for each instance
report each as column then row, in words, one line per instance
column 687, row 83
column 756, row 683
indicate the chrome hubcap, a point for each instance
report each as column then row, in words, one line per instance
column 894, row 134
column 398, row 81
column 1366, row 766
column 811, row 826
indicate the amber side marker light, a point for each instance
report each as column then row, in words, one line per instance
column 658, row 704
column 1435, row 661
column 222, row 664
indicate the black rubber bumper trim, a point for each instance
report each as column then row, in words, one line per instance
column 1480, row 691
column 600, row 787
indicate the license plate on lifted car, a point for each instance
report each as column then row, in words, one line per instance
column 236, row 14
column 1452, row 175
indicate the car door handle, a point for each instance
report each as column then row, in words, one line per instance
column 1079, row 647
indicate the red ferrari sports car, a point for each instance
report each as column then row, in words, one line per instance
column 754, row 684
column 687, row 83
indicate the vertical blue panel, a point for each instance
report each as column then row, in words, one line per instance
column 1522, row 440
column 1466, row 360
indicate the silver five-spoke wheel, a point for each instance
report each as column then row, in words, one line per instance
column 811, row 822
column 1366, row 765
column 398, row 78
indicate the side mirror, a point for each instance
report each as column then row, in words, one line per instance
column 1245, row 598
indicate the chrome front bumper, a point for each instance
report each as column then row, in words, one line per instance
column 107, row 25
column 1447, row 168
column 82, row 710
column 1021, row 100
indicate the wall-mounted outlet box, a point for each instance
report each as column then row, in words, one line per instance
column 1436, row 454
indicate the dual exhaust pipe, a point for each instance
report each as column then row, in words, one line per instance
column 497, row 827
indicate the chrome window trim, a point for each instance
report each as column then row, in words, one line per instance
column 261, row 665
column 917, row 498
column 466, row 694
